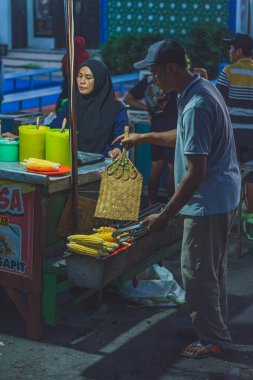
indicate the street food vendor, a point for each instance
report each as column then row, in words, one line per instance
column 207, row 179
column 100, row 117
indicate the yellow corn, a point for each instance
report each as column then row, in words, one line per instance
column 83, row 250
column 107, row 236
column 108, row 244
column 42, row 168
column 110, row 247
column 38, row 160
column 104, row 229
column 89, row 240
column 41, row 165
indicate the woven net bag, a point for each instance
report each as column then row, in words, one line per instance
column 120, row 190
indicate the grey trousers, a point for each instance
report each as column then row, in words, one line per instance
column 204, row 275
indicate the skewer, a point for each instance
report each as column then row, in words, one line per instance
column 64, row 123
column 37, row 122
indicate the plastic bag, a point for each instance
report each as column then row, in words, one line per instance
column 155, row 287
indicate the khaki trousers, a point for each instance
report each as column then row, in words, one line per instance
column 204, row 274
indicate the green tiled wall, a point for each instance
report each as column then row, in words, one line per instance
column 166, row 17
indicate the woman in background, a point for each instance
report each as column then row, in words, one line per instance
column 100, row 117
column 80, row 56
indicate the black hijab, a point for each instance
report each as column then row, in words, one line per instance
column 96, row 112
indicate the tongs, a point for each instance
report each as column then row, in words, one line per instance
column 134, row 228
column 131, row 238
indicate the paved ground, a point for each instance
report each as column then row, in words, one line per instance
column 120, row 342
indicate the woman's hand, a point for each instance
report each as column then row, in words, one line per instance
column 114, row 153
column 10, row 135
column 131, row 140
column 155, row 222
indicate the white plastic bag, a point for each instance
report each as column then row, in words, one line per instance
column 155, row 287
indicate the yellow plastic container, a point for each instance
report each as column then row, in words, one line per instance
column 32, row 142
column 58, row 146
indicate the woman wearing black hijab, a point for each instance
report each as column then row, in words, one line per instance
column 100, row 117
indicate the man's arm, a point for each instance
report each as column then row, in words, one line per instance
column 167, row 138
column 195, row 174
column 130, row 99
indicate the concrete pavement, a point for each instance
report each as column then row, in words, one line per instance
column 119, row 341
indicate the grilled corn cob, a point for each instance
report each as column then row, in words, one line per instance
column 107, row 236
column 41, row 165
column 110, row 247
column 87, row 240
column 104, row 229
column 83, row 250
column 108, row 244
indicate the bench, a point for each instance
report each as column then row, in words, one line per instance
column 121, row 80
column 30, row 74
column 38, row 94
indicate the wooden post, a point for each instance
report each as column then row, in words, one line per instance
column 72, row 108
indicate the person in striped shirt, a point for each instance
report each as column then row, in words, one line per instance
column 235, row 83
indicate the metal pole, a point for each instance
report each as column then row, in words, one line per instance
column 72, row 109
column 249, row 17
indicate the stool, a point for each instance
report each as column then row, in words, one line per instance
column 245, row 169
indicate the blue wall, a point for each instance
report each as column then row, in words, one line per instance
column 103, row 21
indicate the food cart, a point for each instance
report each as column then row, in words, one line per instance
column 30, row 209
column 27, row 230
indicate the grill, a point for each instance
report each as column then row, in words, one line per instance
column 88, row 272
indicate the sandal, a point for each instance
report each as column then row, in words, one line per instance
column 197, row 350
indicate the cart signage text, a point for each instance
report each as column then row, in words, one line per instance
column 16, row 227
column 11, row 200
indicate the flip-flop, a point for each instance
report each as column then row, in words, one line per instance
column 197, row 350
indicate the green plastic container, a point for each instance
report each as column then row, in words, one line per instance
column 8, row 150
column 58, row 146
column 32, row 142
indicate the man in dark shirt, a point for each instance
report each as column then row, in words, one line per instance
column 162, row 108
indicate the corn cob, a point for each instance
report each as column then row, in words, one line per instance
column 108, row 244
column 83, row 250
column 107, row 236
column 104, row 229
column 110, row 248
column 36, row 160
column 41, row 165
column 87, row 240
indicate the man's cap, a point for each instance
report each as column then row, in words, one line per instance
column 162, row 52
column 240, row 40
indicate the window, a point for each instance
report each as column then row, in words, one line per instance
column 43, row 18
column 244, row 19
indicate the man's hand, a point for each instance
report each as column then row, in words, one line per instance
column 114, row 153
column 132, row 139
column 155, row 222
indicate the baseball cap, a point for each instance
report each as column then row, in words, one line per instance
column 162, row 52
column 240, row 40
